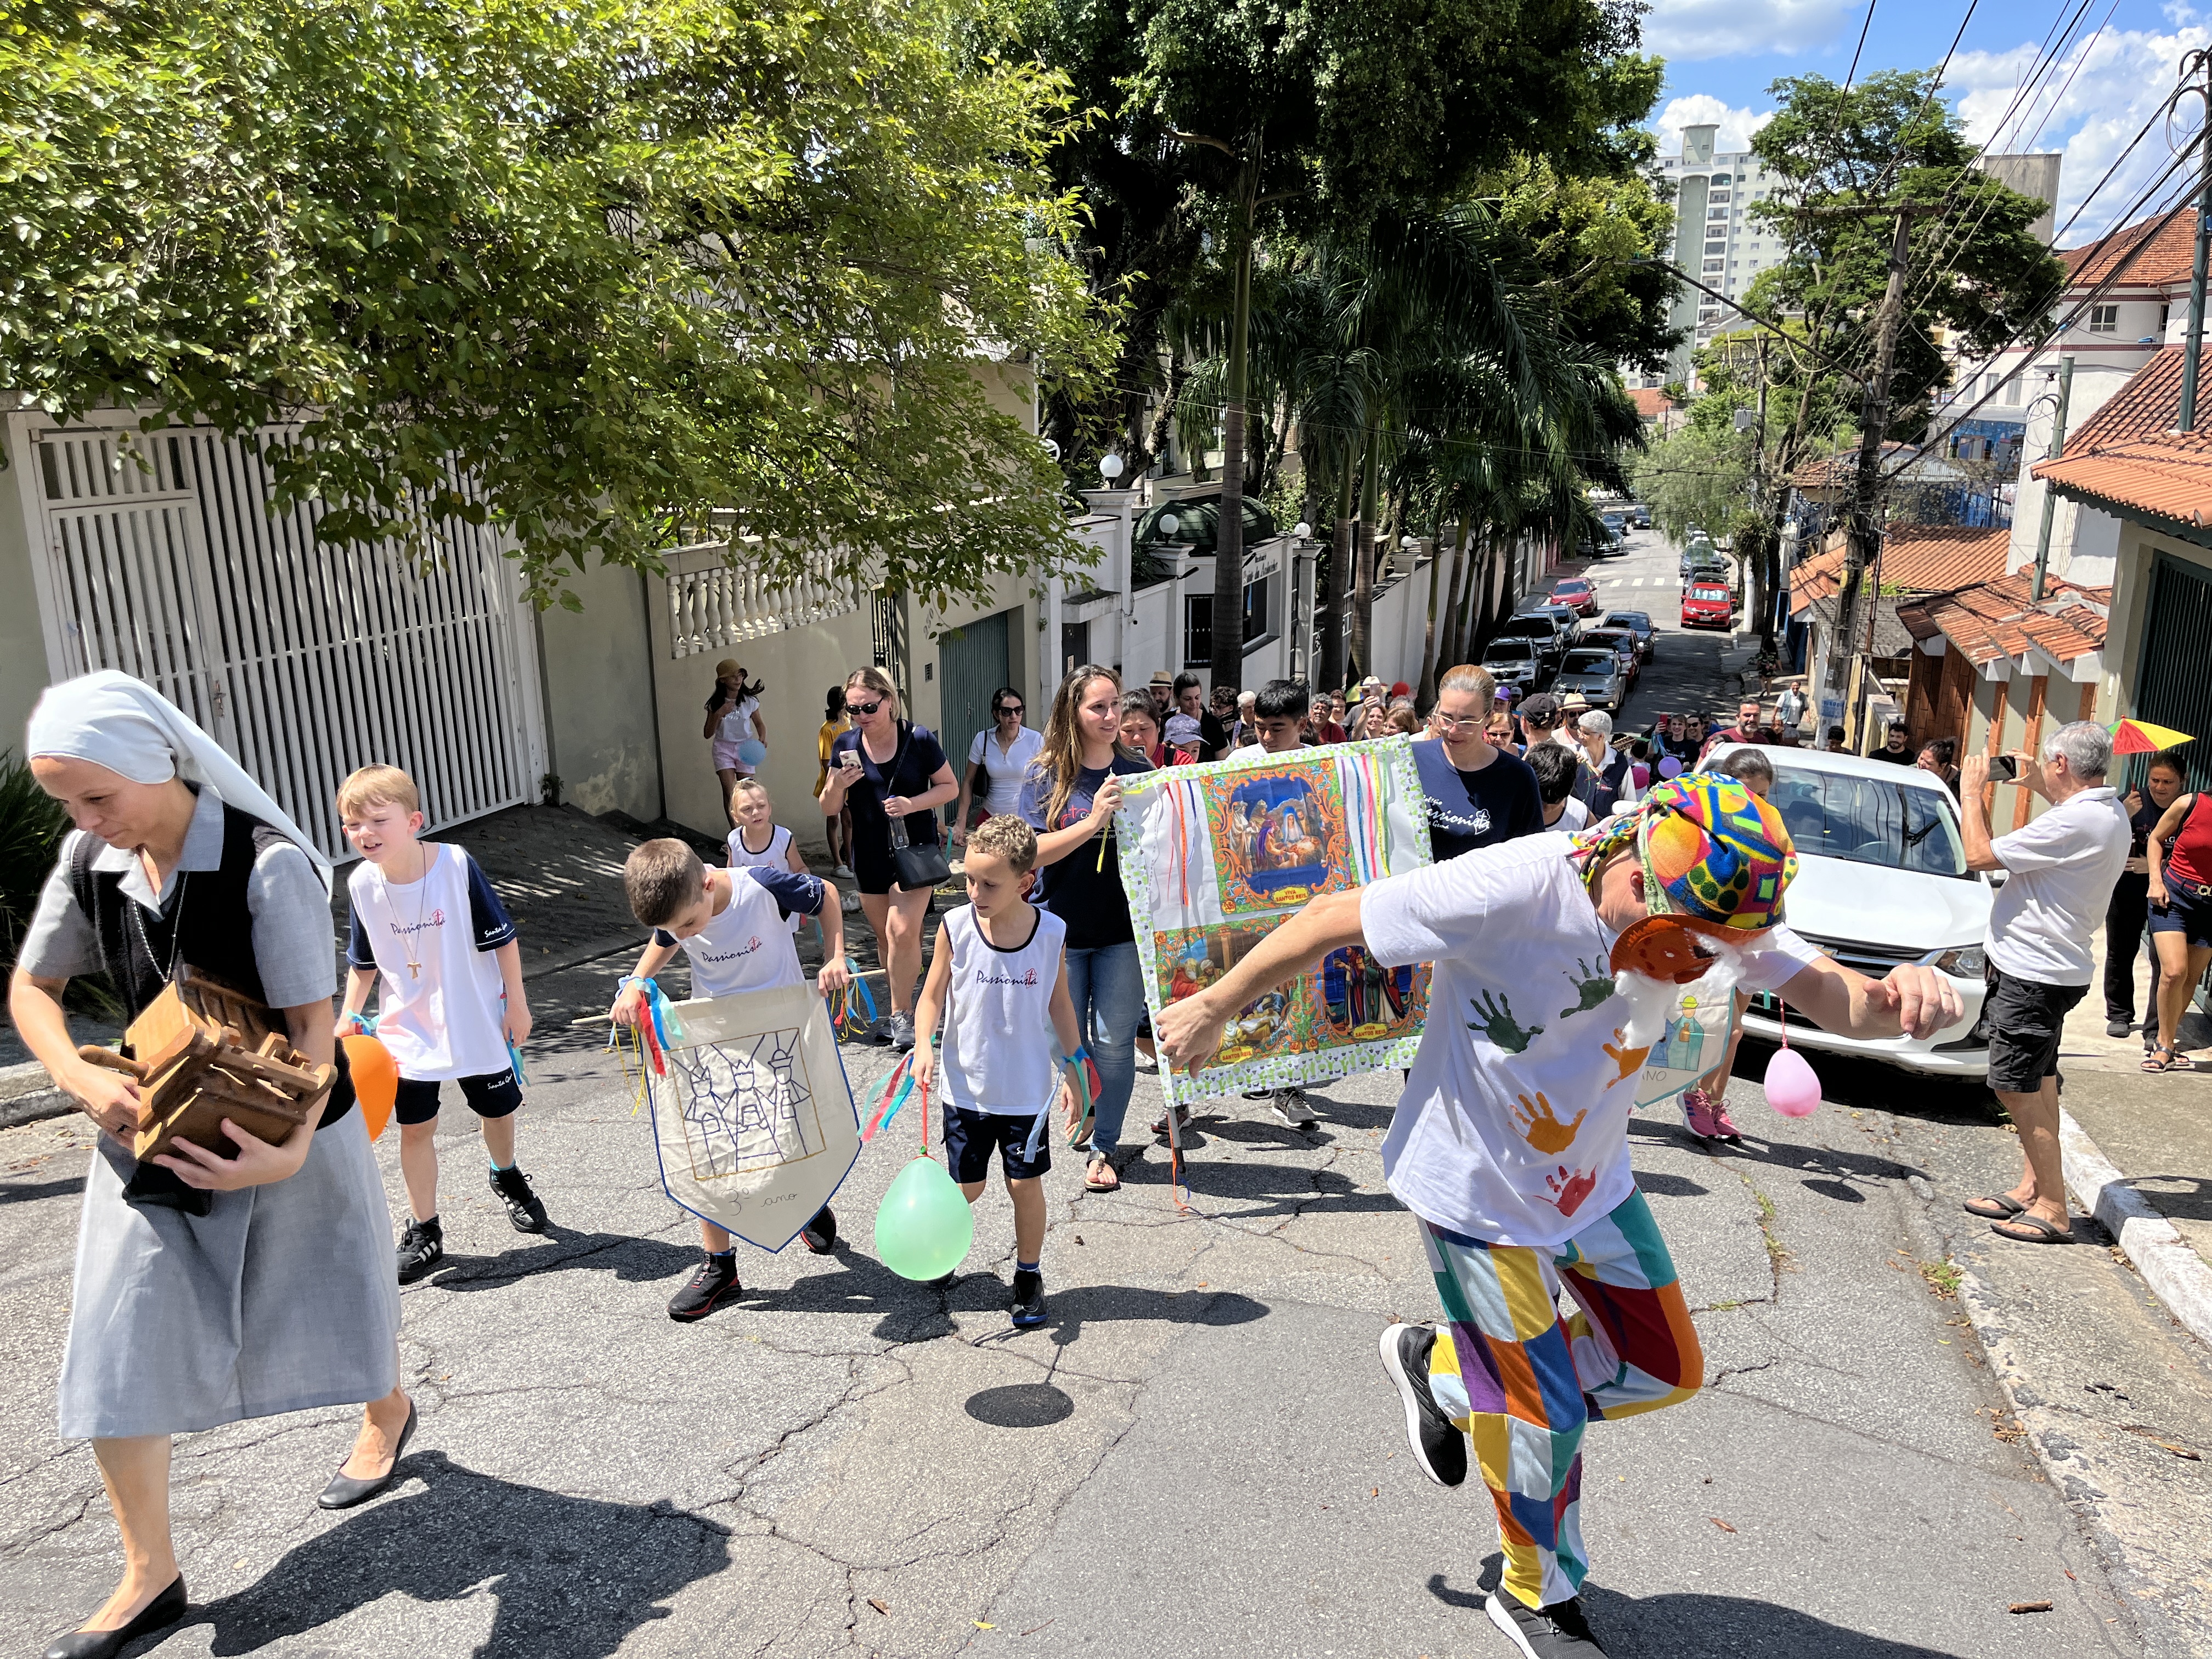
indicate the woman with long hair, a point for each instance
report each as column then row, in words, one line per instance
column 1069, row 799
column 886, row 768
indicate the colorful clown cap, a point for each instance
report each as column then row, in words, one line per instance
column 1712, row 852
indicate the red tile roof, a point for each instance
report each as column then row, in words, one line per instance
column 2128, row 456
column 1651, row 402
column 2000, row 619
column 1920, row 558
column 2165, row 258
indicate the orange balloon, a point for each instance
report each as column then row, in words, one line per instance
column 375, row 1080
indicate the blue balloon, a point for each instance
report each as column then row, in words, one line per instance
column 1670, row 768
column 753, row 752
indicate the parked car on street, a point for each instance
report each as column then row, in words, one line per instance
column 1577, row 593
column 1640, row 516
column 1623, row 644
column 1594, row 671
column 1570, row 625
column 1708, row 604
column 1512, row 660
column 1553, row 628
column 1638, row 623
column 1881, row 880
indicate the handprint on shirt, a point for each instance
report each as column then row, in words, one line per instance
column 1568, row 1191
column 1543, row 1130
column 1593, row 984
column 1630, row 1060
column 1496, row 1021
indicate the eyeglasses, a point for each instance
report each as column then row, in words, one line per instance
column 1450, row 723
column 863, row 708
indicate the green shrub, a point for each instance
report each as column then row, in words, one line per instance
column 32, row 825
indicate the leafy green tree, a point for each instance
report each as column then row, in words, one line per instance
column 593, row 274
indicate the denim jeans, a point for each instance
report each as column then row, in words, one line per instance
column 1107, row 986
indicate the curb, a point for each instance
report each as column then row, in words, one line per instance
column 2179, row 1277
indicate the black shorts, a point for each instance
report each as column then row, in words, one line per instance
column 2185, row 914
column 970, row 1137
column 2023, row 1019
column 495, row 1094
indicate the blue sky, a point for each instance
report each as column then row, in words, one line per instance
column 1721, row 55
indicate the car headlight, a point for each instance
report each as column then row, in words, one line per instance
column 1965, row 963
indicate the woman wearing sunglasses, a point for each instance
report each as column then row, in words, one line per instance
column 997, row 759
column 884, row 770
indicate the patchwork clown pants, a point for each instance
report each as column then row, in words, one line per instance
column 1523, row 1384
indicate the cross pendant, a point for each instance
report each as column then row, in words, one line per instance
column 414, row 970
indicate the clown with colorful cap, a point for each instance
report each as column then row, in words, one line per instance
column 1568, row 976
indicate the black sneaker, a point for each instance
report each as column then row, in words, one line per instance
column 1559, row 1631
column 1438, row 1447
column 717, row 1278
column 421, row 1247
column 1029, row 1299
column 820, row 1235
column 523, row 1207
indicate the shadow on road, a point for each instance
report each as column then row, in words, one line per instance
column 572, row 1576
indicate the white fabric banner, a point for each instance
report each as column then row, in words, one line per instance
column 754, row 1119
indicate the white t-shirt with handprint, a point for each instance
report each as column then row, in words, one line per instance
column 1514, row 1125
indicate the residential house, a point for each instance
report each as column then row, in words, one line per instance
column 1660, row 414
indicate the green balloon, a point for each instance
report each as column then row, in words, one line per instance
column 924, row 1225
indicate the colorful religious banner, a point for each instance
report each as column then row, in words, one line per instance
column 1215, row 857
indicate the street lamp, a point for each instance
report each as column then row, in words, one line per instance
column 1109, row 468
column 1169, row 523
column 1302, row 529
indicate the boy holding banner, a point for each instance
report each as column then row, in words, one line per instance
column 734, row 925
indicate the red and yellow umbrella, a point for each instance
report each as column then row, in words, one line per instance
column 2141, row 737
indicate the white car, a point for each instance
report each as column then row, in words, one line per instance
column 1881, row 880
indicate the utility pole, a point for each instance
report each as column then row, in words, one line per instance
column 2194, row 61
column 1873, row 419
column 2058, row 431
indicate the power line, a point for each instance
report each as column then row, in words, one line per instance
column 1861, row 47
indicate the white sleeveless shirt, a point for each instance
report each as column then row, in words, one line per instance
column 998, row 1041
column 448, row 1019
column 777, row 857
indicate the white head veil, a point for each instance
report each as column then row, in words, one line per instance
column 127, row 726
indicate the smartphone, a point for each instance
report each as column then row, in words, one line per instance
column 2003, row 769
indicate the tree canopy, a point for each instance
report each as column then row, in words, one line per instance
column 590, row 273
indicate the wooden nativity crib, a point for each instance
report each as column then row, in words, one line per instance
column 207, row 1052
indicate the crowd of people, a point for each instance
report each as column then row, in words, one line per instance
column 1571, row 865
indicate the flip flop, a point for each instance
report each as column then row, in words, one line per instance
column 1997, row 1208
column 1099, row 1167
column 2041, row 1231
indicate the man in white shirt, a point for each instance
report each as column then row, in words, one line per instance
column 2061, row 866
column 1556, row 992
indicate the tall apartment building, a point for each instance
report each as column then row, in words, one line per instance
column 1715, row 236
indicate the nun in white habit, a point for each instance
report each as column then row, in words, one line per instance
column 213, row 1288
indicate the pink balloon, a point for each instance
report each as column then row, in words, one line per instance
column 1671, row 766
column 1791, row 1088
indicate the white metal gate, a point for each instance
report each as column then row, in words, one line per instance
column 304, row 660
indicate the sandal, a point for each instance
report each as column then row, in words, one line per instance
column 1099, row 1176
column 1999, row 1207
column 1183, row 1118
column 2040, row 1230
column 2160, row 1057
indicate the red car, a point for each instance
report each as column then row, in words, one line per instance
column 1575, row 591
column 1707, row 605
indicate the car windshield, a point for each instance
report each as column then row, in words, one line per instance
column 1715, row 594
column 1630, row 620
column 1588, row 662
column 1513, row 650
column 1897, row 825
column 1571, row 587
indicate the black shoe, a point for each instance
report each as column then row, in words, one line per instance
column 523, row 1207
column 1438, row 1447
column 421, row 1247
column 1559, row 1631
column 161, row 1612
column 2118, row 1028
column 717, row 1278
column 1029, row 1299
column 820, row 1235
column 344, row 1490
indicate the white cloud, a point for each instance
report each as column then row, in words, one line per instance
column 1703, row 109
column 2117, row 81
column 1690, row 30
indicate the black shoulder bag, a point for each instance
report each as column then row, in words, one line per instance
column 920, row 869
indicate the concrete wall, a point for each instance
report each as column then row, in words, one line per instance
column 23, row 672
column 597, row 668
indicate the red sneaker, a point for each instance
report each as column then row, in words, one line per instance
column 1699, row 1112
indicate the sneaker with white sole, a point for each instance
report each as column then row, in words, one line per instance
column 900, row 1033
column 843, row 872
column 1438, row 1446
column 1028, row 1300
column 1557, row 1632
column 1698, row 1113
column 1291, row 1107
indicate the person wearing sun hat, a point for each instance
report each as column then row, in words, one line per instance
column 1566, row 974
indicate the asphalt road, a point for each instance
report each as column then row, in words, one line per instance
column 1685, row 677
column 1197, row 1454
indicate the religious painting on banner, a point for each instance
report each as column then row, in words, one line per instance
column 1215, row 857
column 752, row 1116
